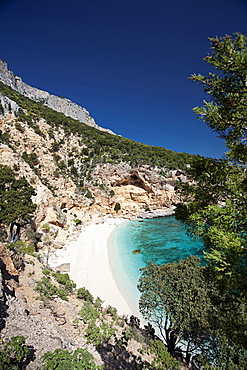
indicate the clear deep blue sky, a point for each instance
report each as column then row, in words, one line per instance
column 126, row 61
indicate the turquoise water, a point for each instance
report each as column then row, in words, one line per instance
column 160, row 240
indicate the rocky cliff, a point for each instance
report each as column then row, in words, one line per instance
column 64, row 204
column 71, row 186
column 76, row 181
column 57, row 103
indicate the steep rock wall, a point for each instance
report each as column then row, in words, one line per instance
column 57, row 103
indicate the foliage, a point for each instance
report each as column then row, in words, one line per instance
column 15, row 197
column 22, row 247
column 224, row 356
column 60, row 359
column 225, row 112
column 215, row 202
column 83, row 293
column 46, row 272
column 117, row 207
column 31, row 159
column 175, row 297
column 98, row 330
column 64, row 279
column 111, row 311
column 111, row 193
column 47, row 290
column 77, row 221
column 98, row 146
column 97, row 335
column 14, row 354
column 19, row 127
column 88, row 312
column 163, row 360
column 216, row 208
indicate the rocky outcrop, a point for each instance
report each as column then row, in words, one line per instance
column 8, row 107
column 54, row 323
column 57, row 103
column 61, row 204
column 70, row 188
column 137, row 189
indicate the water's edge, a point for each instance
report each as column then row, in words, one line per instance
column 161, row 240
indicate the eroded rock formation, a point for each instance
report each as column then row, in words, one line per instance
column 57, row 103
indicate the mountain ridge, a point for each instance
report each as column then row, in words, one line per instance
column 59, row 104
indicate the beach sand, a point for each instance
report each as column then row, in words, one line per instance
column 90, row 266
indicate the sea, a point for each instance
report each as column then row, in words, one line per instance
column 133, row 244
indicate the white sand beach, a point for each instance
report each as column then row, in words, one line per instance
column 90, row 266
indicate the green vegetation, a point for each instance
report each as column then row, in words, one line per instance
column 117, row 207
column 225, row 112
column 22, row 247
column 98, row 330
column 175, row 297
column 163, row 360
column 83, row 293
column 64, row 280
column 31, row 159
column 98, row 146
column 15, row 198
column 47, row 290
column 205, row 305
column 60, row 359
column 88, row 312
column 14, row 354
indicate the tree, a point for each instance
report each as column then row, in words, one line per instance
column 226, row 111
column 16, row 205
column 214, row 209
column 175, row 298
column 214, row 206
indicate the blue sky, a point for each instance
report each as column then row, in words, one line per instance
column 126, row 61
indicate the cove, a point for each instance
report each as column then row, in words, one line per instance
column 133, row 243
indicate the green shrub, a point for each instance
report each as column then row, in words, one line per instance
column 19, row 127
column 98, row 303
column 163, row 359
column 60, row 359
column 111, row 193
column 117, row 207
column 14, row 354
column 46, row 272
column 64, row 279
column 98, row 335
column 31, row 159
column 83, row 293
column 89, row 194
column 112, row 311
column 77, row 221
column 88, row 312
column 22, row 247
column 47, row 290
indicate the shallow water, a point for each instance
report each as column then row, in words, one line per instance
column 160, row 240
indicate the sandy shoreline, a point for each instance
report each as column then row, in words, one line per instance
column 90, row 266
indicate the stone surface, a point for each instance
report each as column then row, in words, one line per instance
column 57, row 103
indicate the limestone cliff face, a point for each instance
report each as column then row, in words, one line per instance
column 8, row 107
column 63, row 205
column 71, row 188
column 57, row 103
